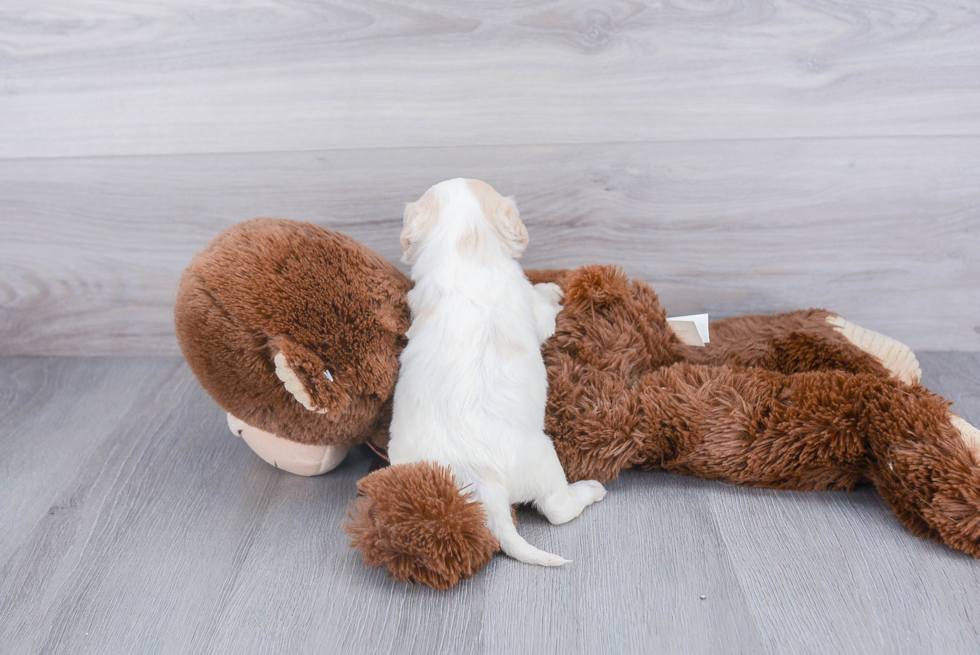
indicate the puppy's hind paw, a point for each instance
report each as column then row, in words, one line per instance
column 550, row 292
column 590, row 491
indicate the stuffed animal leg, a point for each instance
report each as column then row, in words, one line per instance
column 805, row 431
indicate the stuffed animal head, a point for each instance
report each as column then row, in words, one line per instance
column 295, row 330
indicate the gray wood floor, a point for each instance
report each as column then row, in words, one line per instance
column 133, row 522
column 742, row 156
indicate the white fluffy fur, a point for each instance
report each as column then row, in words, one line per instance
column 472, row 387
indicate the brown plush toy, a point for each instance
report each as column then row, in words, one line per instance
column 295, row 331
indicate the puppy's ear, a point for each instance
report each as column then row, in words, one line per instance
column 419, row 218
column 410, row 223
column 506, row 221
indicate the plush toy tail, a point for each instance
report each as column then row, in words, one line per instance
column 415, row 521
column 501, row 523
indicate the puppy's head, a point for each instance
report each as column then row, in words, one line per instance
column 463, row 209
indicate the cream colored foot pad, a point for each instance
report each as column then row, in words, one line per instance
column 893, row 355
column 970, row 434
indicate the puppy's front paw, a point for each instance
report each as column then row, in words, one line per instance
column 550, row 292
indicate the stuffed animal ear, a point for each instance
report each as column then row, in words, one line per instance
column 309, row 379
column 419, row 218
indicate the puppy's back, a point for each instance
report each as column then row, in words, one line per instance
column 472, row 370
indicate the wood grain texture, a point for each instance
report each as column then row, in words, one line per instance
column 884, row 231
column 115, row 78
column 134, row 522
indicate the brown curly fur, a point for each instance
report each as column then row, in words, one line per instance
column 779, row 401
column 413, row 520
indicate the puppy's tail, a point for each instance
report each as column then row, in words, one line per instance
column 501, row 524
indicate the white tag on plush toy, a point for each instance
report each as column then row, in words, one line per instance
column 691, row 329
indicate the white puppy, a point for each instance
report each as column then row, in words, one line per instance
column 472, row 386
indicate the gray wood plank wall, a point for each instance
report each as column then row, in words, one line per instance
column 741, row 156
